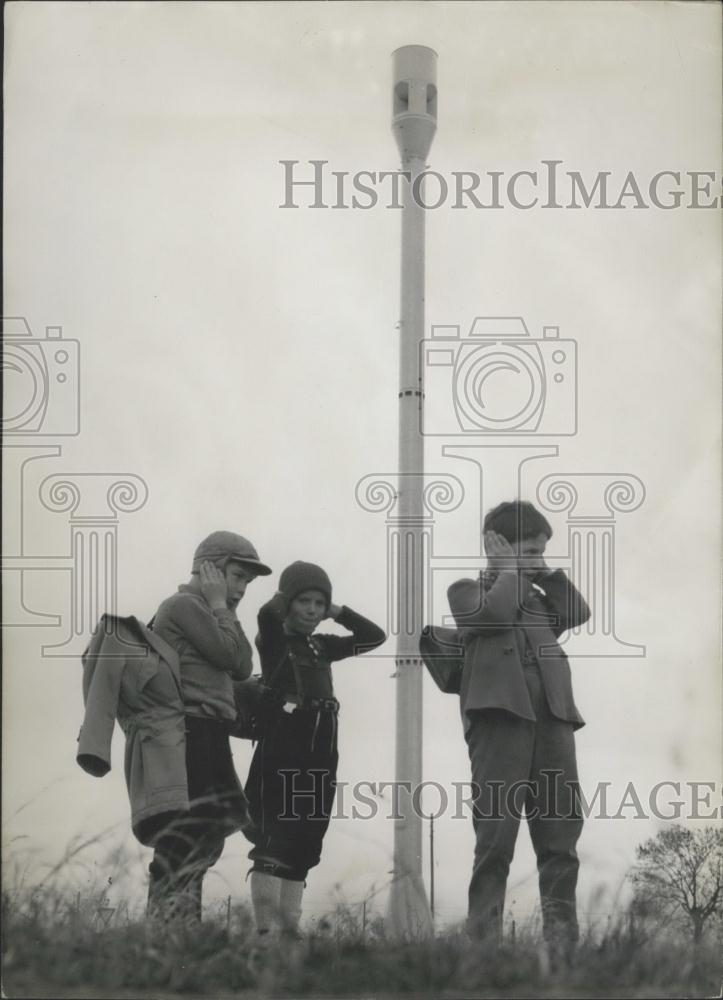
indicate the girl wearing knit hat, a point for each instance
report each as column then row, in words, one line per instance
column 199, row 622
column 292, row 779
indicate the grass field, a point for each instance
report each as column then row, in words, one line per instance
column 57, row 944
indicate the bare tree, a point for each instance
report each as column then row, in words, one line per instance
column 680, row 871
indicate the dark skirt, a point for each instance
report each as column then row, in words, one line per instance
column 290, row 789
column 214, row 789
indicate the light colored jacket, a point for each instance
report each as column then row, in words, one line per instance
column 131, row 675
column 497, row 615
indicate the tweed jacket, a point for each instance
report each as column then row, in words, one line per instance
column 131, row 675
column 497, row 615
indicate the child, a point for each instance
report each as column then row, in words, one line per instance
column 200, row 624
column 292, row 780
column 519, row 716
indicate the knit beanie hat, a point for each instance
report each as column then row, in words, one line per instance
column 223, row 546
column 300, row 576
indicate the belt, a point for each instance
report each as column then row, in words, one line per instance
column 213, row 723
column 312, row 704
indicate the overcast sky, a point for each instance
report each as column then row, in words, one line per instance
column 241, row 358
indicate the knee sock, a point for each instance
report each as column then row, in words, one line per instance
column 291, row 893
column 265, row 897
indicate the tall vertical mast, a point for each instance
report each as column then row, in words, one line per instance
column 414, row 124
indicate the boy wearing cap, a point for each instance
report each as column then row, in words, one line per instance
column 199, row 622
column 292, row 779
column 519, row 719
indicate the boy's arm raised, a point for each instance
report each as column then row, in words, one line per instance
column 564, row 600
column 488, row 609
column 215, row 633
column 365, row 635
column 271, row 640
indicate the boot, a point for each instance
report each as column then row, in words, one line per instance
column 173, row 900
column 266, row 899
column 157, row 893
column 291, row 893
column 188, row 902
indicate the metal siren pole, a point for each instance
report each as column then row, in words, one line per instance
column 414, row 123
